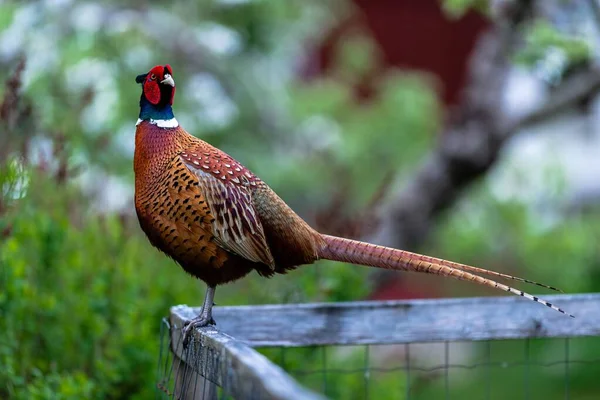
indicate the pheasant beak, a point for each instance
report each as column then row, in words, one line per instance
column 168, row 80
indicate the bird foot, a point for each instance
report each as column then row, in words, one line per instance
column 198, row 322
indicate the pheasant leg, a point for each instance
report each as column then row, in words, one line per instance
column 205, row 316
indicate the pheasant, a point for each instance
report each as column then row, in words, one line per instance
column 219, row 221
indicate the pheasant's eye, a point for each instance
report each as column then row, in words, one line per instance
column 152, row 77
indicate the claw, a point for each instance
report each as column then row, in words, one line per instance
column 198, row 322
column 203, row 319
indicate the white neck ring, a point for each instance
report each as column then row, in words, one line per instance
column 161, row 123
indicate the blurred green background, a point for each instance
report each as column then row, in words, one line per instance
column 82, row 292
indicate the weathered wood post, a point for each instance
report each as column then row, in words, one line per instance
column 228, row 363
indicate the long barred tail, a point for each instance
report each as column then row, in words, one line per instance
column 355, row 252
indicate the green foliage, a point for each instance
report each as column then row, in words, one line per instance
column 506, row 235
column 14, row 179
column 371, row 133
column 542, row 36
column 553, row 51
column 458, row 8
column 77, row 323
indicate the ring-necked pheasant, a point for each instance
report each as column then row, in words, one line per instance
column 219, row 221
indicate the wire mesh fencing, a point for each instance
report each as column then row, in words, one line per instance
column 527, row 369
column 482, row 348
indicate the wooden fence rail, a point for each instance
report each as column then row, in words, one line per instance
column 224, row 354
column 214, row 358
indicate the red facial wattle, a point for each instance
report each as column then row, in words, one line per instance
column 153, row 81
column 151, row 90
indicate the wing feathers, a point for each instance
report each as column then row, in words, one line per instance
column 236, row 225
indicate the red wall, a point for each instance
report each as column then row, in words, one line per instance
column 412, row 34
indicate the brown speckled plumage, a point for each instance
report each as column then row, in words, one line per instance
column 219, row 221
column 222, row 239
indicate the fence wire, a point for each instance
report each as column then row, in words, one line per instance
column 179, row 379
column 524, row 368
column 495, row 376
